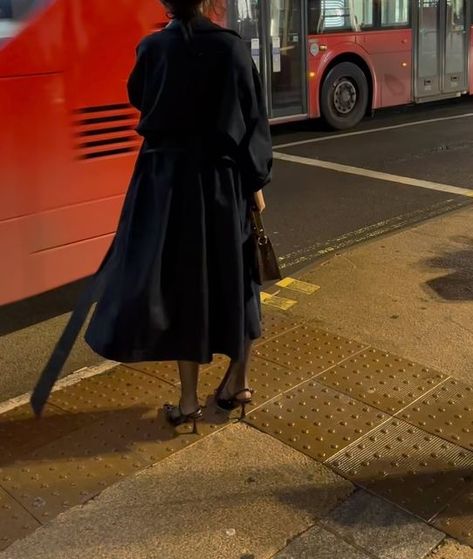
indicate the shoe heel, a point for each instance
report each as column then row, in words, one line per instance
column 195, row 431
column 243, row 411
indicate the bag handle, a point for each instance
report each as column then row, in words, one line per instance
column 258, row 227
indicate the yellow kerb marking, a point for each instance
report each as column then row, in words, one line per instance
column 276, row 302
column 299, row 286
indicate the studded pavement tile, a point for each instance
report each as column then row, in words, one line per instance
column 67, row 472
column 382, row 380
column 411, row 468
column 21, row 432
column 316, row 420
column 167, row 370
column 275, row 324
column 15, row 521
column 308, row 350
column 457, row 518
column 236, row 494
column 121, row 441
column 446, row 412
column 318, row 543
column 118, row 388
column 382, row 529
column 267, row 379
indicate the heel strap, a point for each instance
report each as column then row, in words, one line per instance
column 250, row 390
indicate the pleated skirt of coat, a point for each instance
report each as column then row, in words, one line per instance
column 179, row 279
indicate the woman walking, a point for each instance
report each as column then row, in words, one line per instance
column 179, row 279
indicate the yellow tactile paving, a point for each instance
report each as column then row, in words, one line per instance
column 446, row 412
column 308, row 350
column 275, row 324
column 382, row 380
column 277, row 302
column 457, row 518
column 316, row 420
column 268, row 380
column 332, row 398
column 416, row 470
column 15, row 521
column 118, row 388
column 21, row 432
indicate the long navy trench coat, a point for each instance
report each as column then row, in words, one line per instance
column 179, row 277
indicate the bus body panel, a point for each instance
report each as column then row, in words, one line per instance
column 40, row 47
column 34, row 159
column 391, row 56
column 69, row 141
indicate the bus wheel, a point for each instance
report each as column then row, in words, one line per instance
column 344, row 97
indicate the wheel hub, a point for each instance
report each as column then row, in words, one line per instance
column 344, row 96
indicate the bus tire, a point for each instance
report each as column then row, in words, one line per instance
column 344, row 97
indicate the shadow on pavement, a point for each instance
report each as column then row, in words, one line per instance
column 457, row 285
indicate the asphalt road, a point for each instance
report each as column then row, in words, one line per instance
column 330, row 191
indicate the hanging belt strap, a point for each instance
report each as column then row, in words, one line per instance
column 63, row 348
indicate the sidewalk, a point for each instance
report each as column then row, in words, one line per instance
column 359, row 444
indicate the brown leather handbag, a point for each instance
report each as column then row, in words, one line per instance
column 266, row 265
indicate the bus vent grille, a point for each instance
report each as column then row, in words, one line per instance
column 105, row 130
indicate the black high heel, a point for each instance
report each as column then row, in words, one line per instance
column 229, row 404
column 181, row 418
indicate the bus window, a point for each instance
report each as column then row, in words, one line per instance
column 340, row 15
column 13, row 14
column 395, row 13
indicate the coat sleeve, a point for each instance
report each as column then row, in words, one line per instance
column 137, row 79
column 256, row 148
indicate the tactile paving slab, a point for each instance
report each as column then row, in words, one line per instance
column 15, row 521
column 276, row 323
column 382, row 380
column 118, row 388
column 407, row 466
column 446, row 412
column 267, row 379
column 127, row 436
column 167, row 370
column 316, row 420
column 308, row 350
column 21, row 432
column 67, row 472
column 457, row 519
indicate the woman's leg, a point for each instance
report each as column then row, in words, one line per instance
column 189, row 374
column 236, row 379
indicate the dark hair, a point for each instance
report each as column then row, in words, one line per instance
column 186, row 9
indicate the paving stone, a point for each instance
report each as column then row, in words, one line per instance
column 382, row 529
column 409, row 467
column 318, row 543
column 457, row 518
column 450, row 549
column 238, row 493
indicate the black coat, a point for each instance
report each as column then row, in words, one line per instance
column 179, row 277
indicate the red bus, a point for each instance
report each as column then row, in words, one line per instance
column 68, row 141
column 342, row 59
